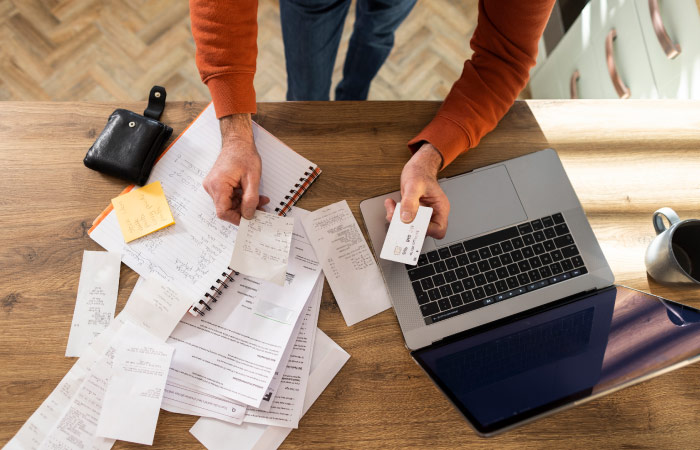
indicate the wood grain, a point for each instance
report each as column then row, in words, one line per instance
column 625, row 159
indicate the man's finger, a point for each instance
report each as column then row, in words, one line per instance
column 438, row 222
column 409, row 204
column 390, row 206
column 250, row 197
column 229, row 215
column 437, row 230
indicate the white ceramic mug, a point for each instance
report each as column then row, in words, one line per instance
column 674, row 255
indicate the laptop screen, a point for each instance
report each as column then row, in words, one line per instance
column 515, row 369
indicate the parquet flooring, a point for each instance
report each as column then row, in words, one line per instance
column 116, row 50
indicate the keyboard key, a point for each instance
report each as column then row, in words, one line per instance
column 537, row 285
column 569, row 251
column 462, row 259
column 491, row 276
column 434, row 294
column 417, row 288
column 523, row 279
column 514, row 292
column 513, row 269
column 507, row 246
column 444, row 253
column 524, row 266
column 468, row 283
column 439, row 279
column 472, row 269
column 546, row 259
column 527, row 253
column 483, row 265
column 422, row 298
column 500, row 297
column 484, row 252
column 427, row 283
column 558, row 218
column 480, row 279
column 557, row 256
column 577, row 261
column 456, row 300
column 421, row 272
column 534, row 275
column 461, row 272
column 457, row 287
column 547, row 221
column 490, row 289
column 506, row 259
column 467, row 297
column 492, row 238
column 495, row 262
column 452, row 263
column 567, row 265
column 474, row 256
column 501, row 286
column 502, row 272
column 525, row 228
column 445, row 290
column 433, row 256
column 561, row 229
column 478, row 293
column 429, row 309
column 539, row 236
column 512, row 282
column 549, row 245
column 535, row 262
column 517, row 242
column 517, row 255
column 545, row 272
column 537, row 224
column 556, row 268
column 440, row 266
column 538, row 249
column 444, row 304
column 549, row 233
column 450, row 276
column 563, row 241
column 558, row 278
column 495, row 249
column 457, row 249
column 528, row 239
column 487, row 301
column 578, row 272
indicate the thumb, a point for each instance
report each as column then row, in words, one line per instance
column 409, row 204
column 249, row 200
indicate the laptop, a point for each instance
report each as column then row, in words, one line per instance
column 513, row 314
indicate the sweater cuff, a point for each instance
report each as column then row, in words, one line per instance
column 232, row 93
column 446, row 136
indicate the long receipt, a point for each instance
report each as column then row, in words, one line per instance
column 262, row 247
column 96, row 300
column 347, row 262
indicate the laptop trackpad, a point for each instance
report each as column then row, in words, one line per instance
column 480, row 202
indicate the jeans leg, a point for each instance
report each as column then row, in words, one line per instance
column 371, row 42
column 311, row 30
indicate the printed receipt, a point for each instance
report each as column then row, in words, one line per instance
column 262, row 247
column 347, row 261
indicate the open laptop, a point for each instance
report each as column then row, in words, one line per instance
column 514, row 314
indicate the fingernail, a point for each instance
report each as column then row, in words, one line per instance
column 406, row 216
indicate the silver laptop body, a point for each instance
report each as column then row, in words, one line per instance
column 494, row 198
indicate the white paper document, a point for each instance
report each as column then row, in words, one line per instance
column 235, row 351
column 135, row 389
column 404, row 241
column 262, row 247
column 96, row 300
column 347, row 262
column 182, row 399
column 328, row 358
column 155, row 307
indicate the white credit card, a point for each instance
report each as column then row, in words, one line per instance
column 404, row 241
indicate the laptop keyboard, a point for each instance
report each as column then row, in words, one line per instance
column 468, row 275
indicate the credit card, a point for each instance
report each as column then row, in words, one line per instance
column 404, row 241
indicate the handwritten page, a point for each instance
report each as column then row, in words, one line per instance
column 288, row 400
column 142, row 211
column 352, row 272
column 236, row 351
column 328, row 358
column 135, row 390
column 181, row 399
column 97, row 297
column 156, row 307
column 262, row 247
column 191, row 254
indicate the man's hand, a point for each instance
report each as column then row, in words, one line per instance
column 233, row 181
column 419, row 186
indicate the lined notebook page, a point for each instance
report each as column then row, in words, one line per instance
column 192, row 254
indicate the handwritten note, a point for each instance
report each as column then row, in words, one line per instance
column 347, row 262
column 96, row 300
column 262, row 247
column 142, row 211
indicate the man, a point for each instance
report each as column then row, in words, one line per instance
column 225, row 32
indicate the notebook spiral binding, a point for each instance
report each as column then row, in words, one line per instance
column 216, row 290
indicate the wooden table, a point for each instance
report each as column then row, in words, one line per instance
column 625, row 159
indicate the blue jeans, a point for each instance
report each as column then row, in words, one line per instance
column 312, row 29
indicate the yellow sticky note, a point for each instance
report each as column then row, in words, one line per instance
column 142, row 211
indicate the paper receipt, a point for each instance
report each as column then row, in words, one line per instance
column 404, row 241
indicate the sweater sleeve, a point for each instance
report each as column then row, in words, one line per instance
column 225, row 34
column 505, row 48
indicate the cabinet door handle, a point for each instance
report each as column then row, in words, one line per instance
column 622, row 90
column 573, row 88
column 670, row 48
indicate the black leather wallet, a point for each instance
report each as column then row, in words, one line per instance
column 128, row 146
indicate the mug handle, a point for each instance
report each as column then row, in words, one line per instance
column 669, row 214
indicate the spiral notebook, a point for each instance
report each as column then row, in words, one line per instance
column 192, row 256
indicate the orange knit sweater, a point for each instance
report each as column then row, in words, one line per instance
column 504, row 44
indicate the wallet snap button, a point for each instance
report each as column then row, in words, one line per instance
column 157, row 95
column 132, row 124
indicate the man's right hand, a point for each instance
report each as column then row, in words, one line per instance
column 234, row 179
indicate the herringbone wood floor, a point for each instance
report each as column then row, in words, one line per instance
column 118, row 49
